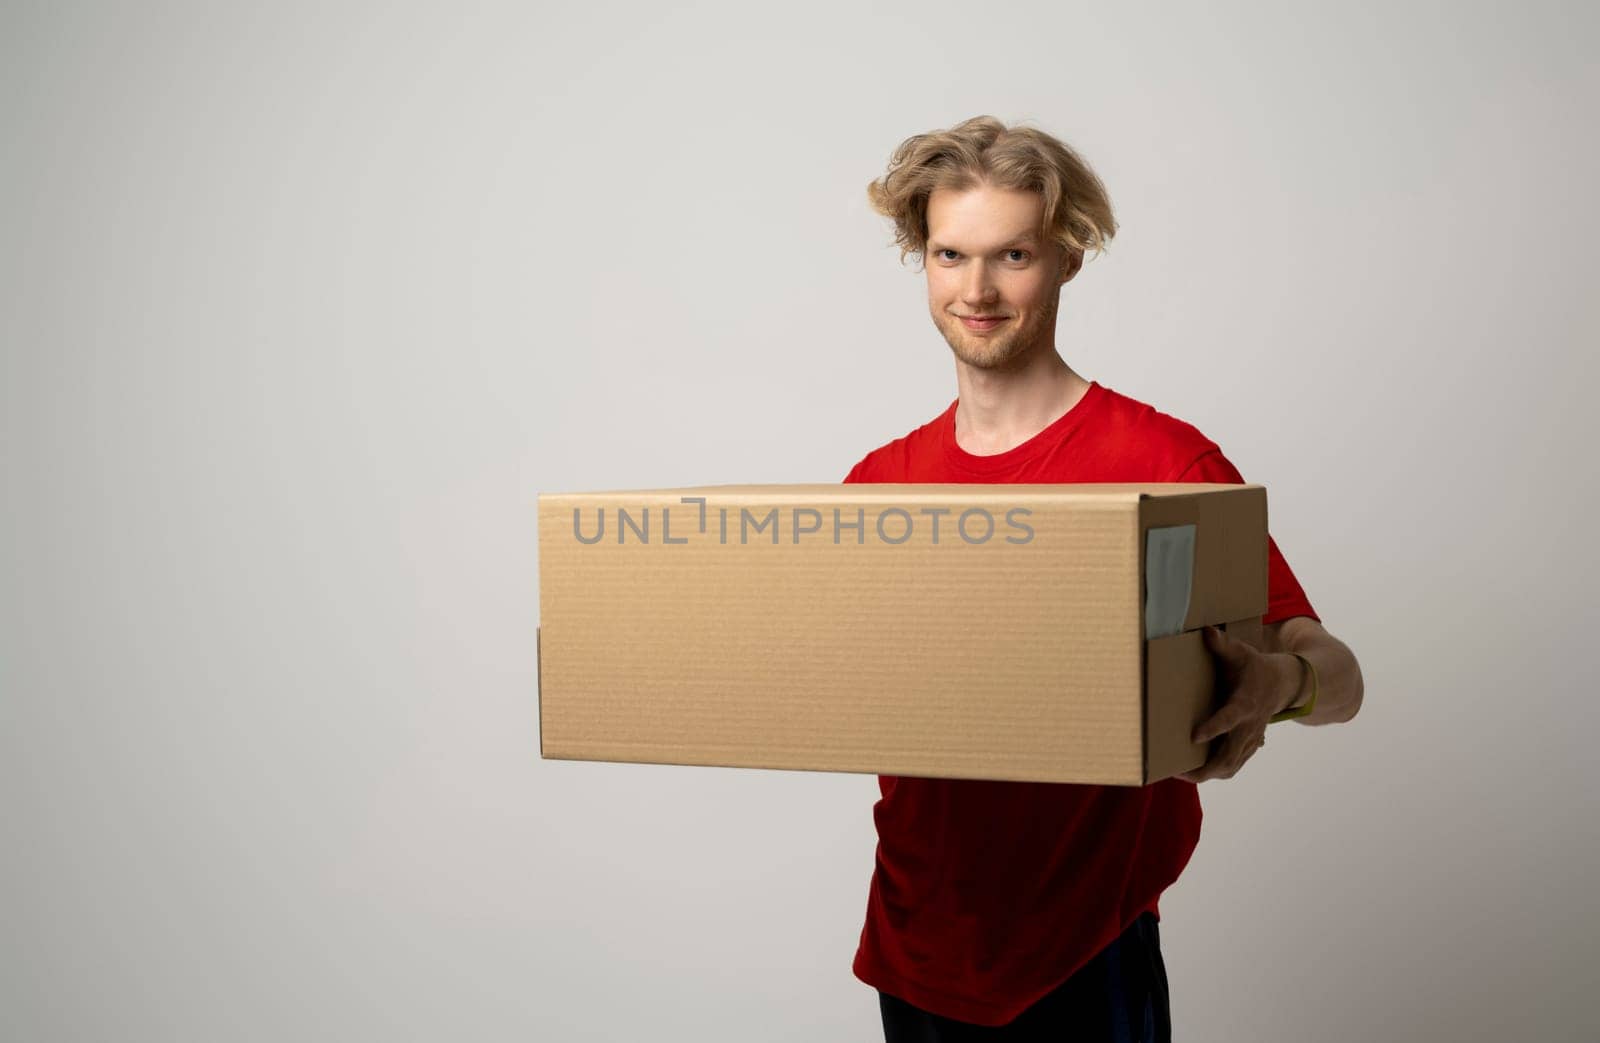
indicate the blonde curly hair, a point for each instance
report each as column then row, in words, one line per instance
column 984, row 151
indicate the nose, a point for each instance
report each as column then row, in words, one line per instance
column 978, row 291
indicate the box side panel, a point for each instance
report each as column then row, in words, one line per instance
column 1181, row 679
column 1181, row 671
column 1230, row 578
column 1229, row 589
column 1234, row 567
column 1003, row 643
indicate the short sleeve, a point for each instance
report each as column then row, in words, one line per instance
column 1285, row 598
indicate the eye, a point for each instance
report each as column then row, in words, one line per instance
column 946, row 250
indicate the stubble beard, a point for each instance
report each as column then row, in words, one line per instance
column 1001, row 350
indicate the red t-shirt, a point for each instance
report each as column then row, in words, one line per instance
column 988, row 895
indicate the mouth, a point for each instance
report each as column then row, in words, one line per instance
column 982, row 322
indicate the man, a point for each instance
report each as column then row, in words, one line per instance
column 1003, row 910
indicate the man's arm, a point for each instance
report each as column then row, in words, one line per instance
column 1339, row 687
column 1262, row 682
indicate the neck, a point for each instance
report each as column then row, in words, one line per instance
column 999, row 410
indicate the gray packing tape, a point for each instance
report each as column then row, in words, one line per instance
column 1168, row 579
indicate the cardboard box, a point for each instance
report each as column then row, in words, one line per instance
column 1013, row 632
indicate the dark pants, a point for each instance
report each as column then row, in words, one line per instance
column 1120, row 996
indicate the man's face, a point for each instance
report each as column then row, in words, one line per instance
column 985, row 257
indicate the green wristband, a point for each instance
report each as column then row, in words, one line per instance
column 1299, row 711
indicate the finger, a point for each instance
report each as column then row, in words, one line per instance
column 1226, row 759
column 1219, row 723
column 1237, row 748
column 1223, row 645
column 1211, row 769
column 1212, row 766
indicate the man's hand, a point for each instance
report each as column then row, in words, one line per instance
column 1256, row 685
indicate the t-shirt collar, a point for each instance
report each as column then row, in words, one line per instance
column 1053, row 434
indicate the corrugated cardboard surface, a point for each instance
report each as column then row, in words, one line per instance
column 703, row 636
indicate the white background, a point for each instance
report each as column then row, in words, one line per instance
column 301, row 307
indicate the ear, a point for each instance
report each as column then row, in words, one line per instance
column 1070, row 263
